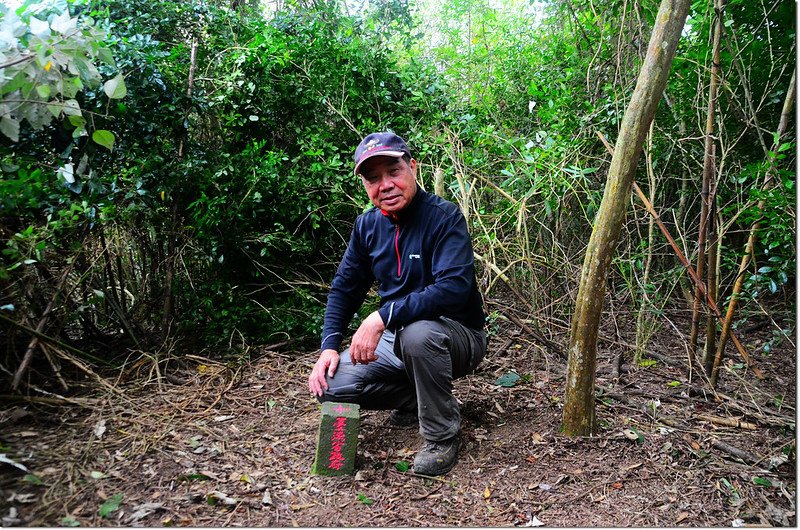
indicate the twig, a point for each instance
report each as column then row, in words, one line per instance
column 54, row 366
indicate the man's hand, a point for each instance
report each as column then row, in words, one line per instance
column 365, row 340
column 328, row 362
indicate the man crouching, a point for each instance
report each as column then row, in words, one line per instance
column 428, row 330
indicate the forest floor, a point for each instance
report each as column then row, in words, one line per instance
column 225, row 445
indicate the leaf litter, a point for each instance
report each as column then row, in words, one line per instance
column 671, row 473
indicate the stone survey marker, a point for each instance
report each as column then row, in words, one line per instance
column 337, row 439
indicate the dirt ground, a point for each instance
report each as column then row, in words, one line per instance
column 232, row 445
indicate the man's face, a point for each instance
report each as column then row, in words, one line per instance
column 390, row 182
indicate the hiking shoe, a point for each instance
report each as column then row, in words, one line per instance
column 437, row 458
column 400, row 418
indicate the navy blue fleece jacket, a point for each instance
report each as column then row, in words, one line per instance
column 422, row 261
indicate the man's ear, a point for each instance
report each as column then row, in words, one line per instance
column 413, row 165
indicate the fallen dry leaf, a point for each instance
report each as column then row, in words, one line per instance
column 681, row 517
column 487, row 493
column 617, row 485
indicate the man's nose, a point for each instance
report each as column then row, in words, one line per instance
column 386, row 183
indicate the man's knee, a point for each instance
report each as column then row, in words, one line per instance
column 423, row 337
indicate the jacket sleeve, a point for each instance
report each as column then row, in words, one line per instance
column 348, row 291
column 452, row 268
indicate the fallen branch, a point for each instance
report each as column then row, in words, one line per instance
column 727, row 422
column 763, row 416
column 750, row 458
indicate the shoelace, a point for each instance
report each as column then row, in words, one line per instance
column 436, row 447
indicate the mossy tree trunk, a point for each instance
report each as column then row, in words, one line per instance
column 579, row 411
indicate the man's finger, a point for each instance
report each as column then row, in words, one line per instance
column 333, row 366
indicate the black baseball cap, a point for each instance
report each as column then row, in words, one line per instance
column 380, row 144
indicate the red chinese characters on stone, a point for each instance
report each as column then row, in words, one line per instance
column 337, row 442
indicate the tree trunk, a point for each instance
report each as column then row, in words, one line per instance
column 579, row 411
column 709, row 174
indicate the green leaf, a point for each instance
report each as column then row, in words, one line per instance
column 71, row 108
column 402, row 466
column 106, row 56
column 647, row 363
column 363, row 499
column 110, row 506
column 10, row 127
column 104, row 138
column 97, row 475
column 762, row 482
column 69, row 521
column 33, row 479
column 673, row 384
column 115, row 88
column 77, row 120
column 55, row 109
column 43, row 91
column 639, row 436
column 507, row 380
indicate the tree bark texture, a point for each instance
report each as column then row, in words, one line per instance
column 579, row 411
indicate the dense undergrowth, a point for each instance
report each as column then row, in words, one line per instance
column 198, row 193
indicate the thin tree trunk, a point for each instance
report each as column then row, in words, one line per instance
column 644, row 324
column 709, row 171
column 786, row 114
column 712, row 283
column 579, row 411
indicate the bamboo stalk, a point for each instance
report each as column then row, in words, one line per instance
column 171, row 258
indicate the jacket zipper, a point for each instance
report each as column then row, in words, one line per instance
column 397, row 247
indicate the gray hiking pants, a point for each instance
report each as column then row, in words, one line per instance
column 415, row 370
